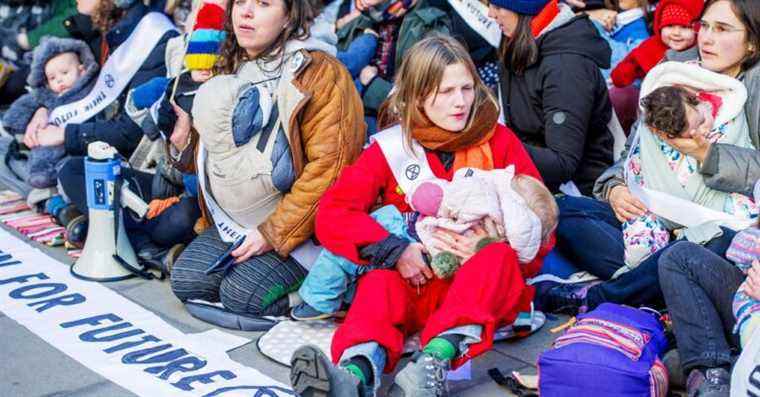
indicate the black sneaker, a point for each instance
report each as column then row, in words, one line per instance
column 312, row 374
column 714, row 382
column 554, row 297
column 160, row 258
column 76, row 231
column 67, row 214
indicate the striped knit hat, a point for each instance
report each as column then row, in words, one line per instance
column 744, row 248
column 206, row 39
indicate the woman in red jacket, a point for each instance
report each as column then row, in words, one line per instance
column 440, row 104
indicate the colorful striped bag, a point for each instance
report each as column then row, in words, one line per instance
column 612, row 351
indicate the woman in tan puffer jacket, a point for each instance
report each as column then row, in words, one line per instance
column 277, row 123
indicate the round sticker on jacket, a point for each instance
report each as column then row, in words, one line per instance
column 412, row 172
column 559, row 118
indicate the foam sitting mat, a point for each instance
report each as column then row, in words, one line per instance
column 9, row 195
column 16, row 214
column 13, row 208
column 282, row 340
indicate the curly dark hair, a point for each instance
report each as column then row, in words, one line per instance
column 665, row 109
column 300, row 16
column 106, row 16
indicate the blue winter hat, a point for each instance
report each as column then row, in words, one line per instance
column 524, row 7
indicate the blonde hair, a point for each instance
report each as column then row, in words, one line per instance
column 540, row 200
column 420, row 76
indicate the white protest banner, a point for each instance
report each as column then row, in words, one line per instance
column 475, row 13
column 115, row 337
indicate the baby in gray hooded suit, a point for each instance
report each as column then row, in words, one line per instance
column 63, row 71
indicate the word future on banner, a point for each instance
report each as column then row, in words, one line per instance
column 114, row 336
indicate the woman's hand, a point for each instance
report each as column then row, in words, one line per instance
column 362, row 5
column 22, row 39
column 624, row 204
column 696, row 145
column 367, row 74
column 50, row 136
column 464, row 246
column 254, row 244
column 608, row 18
column 412, row 266
column 347, row 18
column 39, row 120
column 181, row 134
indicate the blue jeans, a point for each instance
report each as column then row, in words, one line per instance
column 591, row 237
column 699, row 288
column 357, row 56
column 332, row 279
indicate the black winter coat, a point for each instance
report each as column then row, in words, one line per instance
column 119, row 131
column 559, row 107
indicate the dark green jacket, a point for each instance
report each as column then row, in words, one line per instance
column 418, row 22
column 60, row 10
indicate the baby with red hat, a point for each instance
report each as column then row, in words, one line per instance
column 673, row 29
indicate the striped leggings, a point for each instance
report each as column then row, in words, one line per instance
column 249, row 288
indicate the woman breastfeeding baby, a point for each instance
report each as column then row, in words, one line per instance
column 443, row 124
column 683, row 100
column 674, row 195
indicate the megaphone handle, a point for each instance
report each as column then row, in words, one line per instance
column 117, row 212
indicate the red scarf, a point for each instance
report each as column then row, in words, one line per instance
column 545, row 17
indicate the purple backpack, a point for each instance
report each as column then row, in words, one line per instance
column 611, row 351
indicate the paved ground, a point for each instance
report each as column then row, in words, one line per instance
column 31, row 367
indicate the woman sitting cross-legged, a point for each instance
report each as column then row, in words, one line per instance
column 277, row 123
column 443, row 112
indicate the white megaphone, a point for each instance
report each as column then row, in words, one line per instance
column 107, row 254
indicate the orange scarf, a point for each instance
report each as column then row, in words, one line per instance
column 544, row 18
column 470, row 147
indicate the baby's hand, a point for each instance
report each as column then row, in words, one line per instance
column 200, row 76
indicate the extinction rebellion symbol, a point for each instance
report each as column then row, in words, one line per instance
column 109, row 80
column 412, row 172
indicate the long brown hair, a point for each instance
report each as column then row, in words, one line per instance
column 420, row 76
column 300, row 13
column 106, row 15
column 520, row 51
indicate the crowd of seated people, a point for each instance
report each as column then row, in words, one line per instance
column 410, row 164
